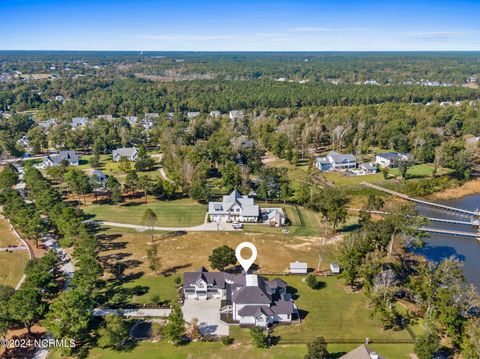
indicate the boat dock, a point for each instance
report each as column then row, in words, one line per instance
column 422, row 202
column 450, row 232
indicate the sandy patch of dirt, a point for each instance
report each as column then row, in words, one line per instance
column 469, row 188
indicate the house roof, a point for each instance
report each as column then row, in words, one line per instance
column 70, row 156
column 298, row 265
column 283, row 307
column 368, row 166
column 255, row 310
column 125, row 152
column 247, row 208
column 340, row 157
column 99, row 174
column 251, row 295
column 362, row 352
column 389, row 155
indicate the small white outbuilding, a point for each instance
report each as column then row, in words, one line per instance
column 298, row 267
column 335, row 268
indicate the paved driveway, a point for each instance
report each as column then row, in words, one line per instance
column 205, row 227
column 208, row 314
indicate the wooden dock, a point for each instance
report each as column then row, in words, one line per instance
column 450, row 232
column 422, row 202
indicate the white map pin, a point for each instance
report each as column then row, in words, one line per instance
column 246, row 263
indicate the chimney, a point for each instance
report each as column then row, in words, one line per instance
column 373, row 355
column 251, row 280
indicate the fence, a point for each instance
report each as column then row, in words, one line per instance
column 347, row 341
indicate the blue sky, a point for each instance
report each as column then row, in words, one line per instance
column 268, row 25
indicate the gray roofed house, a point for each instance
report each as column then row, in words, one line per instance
column 251, row 299
column 129, row 152
column 99, row 177
column 79, row 122
column 336, row 161
column 234, row 207
column 362, row 352
column 54, row 160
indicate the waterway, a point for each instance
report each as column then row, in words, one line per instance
column 465, row 249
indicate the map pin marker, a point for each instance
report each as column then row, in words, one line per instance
column 246, row 263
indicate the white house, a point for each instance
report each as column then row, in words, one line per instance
column 368, row 168
column 215, row 114
column 390, row 159
column 236, row 115
column 193, row 114
column 249, row 298
column 298, row 267
column 234, row 208
column 130, row 153
column 336, row 161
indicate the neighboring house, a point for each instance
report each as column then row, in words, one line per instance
column 336, row 161
column 147, row 123
column 298, row 267
column 235, row 115
column 130, row 153
column 47, row 124
column 234, row 208
column 152, row 115
column 24, row 141
column 60, row 98
column 215, row 114
column 105, row 117
column 362, row 352
column 54, row 160
column 250, row 299
column 132, row 120
column 193, row 114
column 100, row 178
column 273, row 217
column 368, row 168
column 78, row 122
column 390, row 159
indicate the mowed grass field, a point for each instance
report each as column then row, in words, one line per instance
column 190, row 251
column 164, row 350
column 177, row 213
column 12, row 264
column 334, row 313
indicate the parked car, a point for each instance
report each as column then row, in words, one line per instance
column 237, row 225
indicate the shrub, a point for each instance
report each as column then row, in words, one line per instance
column 227, row 340
column 311, row 281
column 259, row 339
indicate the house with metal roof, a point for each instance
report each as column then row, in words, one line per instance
column 251, row 300
column 54, row 160
column 234, row 207
column 336, row 161
column 390, row 159
column 130, row 153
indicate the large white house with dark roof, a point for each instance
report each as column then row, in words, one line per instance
column 234, row 208
column 336, row 161
column 249, row 298
column 69, row 156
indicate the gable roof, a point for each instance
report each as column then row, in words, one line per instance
column 246, row 204
column 340, row 157
column 362, row 352
column 70, row 156
column 128, row 152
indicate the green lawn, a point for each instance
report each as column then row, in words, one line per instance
column 12, row 266
column 177, row 213
column 303, row 222
column 160, row 285
column 6, row 235
column 334, row 313
column 112, row 168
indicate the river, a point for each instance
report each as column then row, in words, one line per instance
column 465, row 249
